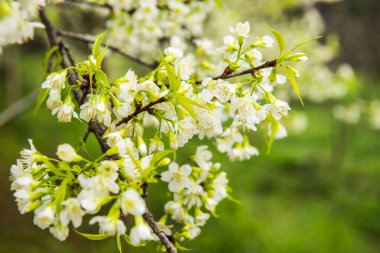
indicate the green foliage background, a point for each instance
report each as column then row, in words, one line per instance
column 317, row 191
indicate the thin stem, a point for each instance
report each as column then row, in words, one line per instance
column 148, row 216
column 142, row 109
column 228, row 74
column 91, row 39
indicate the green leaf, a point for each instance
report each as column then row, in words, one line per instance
column 97, row 45
column 48, row 55
column 294, row 57
column 174, row 81
column 274, row 128
column 128, row 240
column 101, row 78
column 187, row 103
column 302, row 44
column 52, row 168
column 93, row 237
column 44, row 93
column 293, row 81
column 280, row 39
column 119, row 243
column 157, row 157
column 60, row 194
column 99, row 58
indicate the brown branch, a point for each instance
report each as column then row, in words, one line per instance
column 148, row 216
column 227, row 74
column 111, row 9
column 97, row 129
column 143, row 109
column 91, row 39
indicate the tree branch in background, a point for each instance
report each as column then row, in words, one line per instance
column 18, row 107
column 90, row 39
column 94, row 126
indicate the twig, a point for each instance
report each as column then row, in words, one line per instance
column 91, row 39
column 148, row 216
column 142, row 109
column 227, row 74
column 86, row 134
column 18, row 107
column 98, row 131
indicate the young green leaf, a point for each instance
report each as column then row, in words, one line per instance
column 97, row 45
column 174, row 81
column 187, row 103
column 60, row 194
column 301, row 44
column 93, row 237
column 280, row 39
column 274, row 127
column 157, row 157
column 44, row 93
column 99, row 58
column 119, row 243
column 101, row 78
column 293, row 81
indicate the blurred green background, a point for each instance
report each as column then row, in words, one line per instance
column 318, row 191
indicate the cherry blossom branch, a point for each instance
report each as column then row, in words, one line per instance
column 227, row 74
column 96, row 128
column 143, row 109
column 90, row 39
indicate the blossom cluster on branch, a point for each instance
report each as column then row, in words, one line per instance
column 141, row 123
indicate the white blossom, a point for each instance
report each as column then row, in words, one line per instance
column 241, row 29
column 132, row 203
column 67, row 153
column 141, row 232
column 71, row 212
column 109, row 225
column 177, row 177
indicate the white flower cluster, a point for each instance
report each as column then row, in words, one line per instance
column 146, row 120
column 15, row 21
column 141, row 25
column 194, row 187
column 62, row 192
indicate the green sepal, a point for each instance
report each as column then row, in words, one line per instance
column 101, row 78
column 44, row 93
column 128, row 240
column 118, row 242
column 60, row 194
column 174, row 81
column 280, row 39
column 97, row 45
column 93, row 237
column 293, row 81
